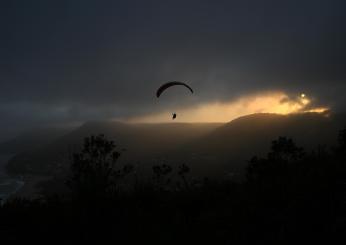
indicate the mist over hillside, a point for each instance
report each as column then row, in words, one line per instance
column 208, row 148
column 32, row 139
column 255, row 132
column 227, row 148
column 139, row 143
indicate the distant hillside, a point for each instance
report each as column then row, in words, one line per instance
column 228, row 148
column 138, row 142
column 308, row 130
column 209, row 149
column 34, row 139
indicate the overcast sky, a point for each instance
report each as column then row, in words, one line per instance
column 68, row 61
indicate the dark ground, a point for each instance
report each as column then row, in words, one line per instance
column 289, row 196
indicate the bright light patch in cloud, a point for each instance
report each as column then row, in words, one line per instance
column 271, row 102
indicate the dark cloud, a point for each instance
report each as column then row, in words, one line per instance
column 64, row 61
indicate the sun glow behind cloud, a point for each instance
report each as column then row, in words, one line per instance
column 271, row 102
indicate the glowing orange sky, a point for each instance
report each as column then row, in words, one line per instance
column 271, row 102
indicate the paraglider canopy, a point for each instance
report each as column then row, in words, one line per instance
column 170, row 84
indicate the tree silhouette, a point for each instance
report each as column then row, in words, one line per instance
column 285, row 149
column 93, row 169
column 160, row 175
column 284, row 153
column 342, row 140
column 289, row 196
column 183, row 170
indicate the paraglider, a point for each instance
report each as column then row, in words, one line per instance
column 167, row 85
column 170, row 84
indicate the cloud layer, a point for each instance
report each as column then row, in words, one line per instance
column 65, row 61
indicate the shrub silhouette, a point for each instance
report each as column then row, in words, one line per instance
column 160, row 177
column 283, row 153
column 289, row 195
column 183, row 170
column 94, row 173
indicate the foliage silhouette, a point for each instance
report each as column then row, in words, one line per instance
column 289, row 196
column 183, row 171
column 94, row 173
column 283, row 153
column 160, row 177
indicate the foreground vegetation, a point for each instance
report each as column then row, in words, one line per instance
column 289, row 196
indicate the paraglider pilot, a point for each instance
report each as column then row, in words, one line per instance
column 168, row 85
